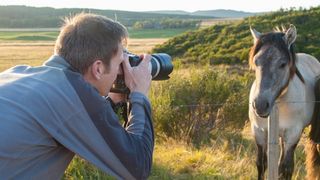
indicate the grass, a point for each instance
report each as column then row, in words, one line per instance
column 35, row 53
column 80, row 169
column 27, row 36
column 21, row 35
column 11, row 55
column 229, row 155
column 156, row 33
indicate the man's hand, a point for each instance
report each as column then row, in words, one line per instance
column 138, row 78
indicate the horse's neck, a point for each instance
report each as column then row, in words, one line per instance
column 297, row 102
column 301, row 88
column 308, row 66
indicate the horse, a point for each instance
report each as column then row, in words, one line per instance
column 284, row 79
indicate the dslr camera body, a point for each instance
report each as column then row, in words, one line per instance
column 160, row 64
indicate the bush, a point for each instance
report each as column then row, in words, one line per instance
column 188, row 106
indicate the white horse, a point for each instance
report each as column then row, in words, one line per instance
column 286, row 80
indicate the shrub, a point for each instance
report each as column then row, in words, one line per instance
column 188, row 106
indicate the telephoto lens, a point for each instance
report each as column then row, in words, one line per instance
column 160, row 64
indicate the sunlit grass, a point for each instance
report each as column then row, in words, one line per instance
column 230, row 155
column 12, row 55
column 79, row 169
column 230, row 160
column 35, row 53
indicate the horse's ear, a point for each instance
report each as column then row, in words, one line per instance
column 255, row 34
column 290, row 35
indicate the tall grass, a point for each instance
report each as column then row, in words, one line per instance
column 198, row 99
column 79, row 169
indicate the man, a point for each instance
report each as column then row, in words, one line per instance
column 51, row 112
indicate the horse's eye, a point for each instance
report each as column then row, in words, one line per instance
column 282, row 65
column 256, row 63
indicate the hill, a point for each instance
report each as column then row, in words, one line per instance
column 46, row 17
column 218, row 13
column 230, row 43
column 169, row 12
column 224, row 13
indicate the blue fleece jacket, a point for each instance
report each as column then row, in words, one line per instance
column 49, row 113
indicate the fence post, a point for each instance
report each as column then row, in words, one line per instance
column 273, row 143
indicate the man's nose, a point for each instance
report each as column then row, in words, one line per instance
column 120, row 69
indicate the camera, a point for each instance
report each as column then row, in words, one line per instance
column 160, row 64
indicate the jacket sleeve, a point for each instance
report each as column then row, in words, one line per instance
column 94, row 132
column 134, row 144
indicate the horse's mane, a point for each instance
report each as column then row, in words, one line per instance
column 274, row 38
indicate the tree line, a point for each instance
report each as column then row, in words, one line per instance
column 46, row 17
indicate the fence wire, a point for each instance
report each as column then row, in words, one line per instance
column 205, row 118
column 224, row 103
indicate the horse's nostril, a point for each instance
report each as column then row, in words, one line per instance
column 261, row 106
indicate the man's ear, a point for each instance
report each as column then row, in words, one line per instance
column 97, row 69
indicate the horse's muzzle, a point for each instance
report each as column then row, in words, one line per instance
column 261, row 107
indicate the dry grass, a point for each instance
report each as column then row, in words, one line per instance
column 35, row 53
column 229, row 156
column 139, row 46
column 225, row 158
column 11, row 55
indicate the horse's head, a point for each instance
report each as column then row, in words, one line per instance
column 273, row 60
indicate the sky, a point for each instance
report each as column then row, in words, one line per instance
column 186, row 5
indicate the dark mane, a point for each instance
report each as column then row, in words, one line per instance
column 274, row 39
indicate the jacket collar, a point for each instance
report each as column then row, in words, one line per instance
column 57, row 62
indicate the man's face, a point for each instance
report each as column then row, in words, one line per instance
column 105, row 82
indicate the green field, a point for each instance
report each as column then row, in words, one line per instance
column 156, row 33
column 22, row 35
column 27, row 36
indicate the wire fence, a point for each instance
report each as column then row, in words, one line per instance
column 223, row 103
column 242, row 144
column 195, row 123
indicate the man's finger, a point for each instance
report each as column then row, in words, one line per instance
column 126, row 65
column 146, row 59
